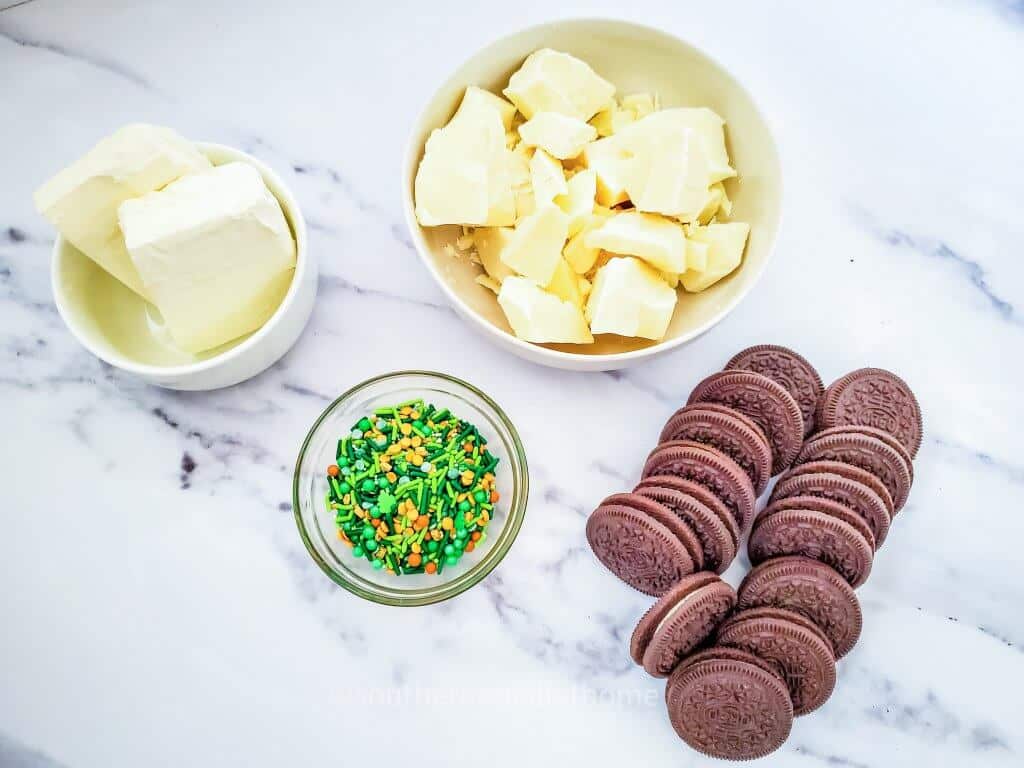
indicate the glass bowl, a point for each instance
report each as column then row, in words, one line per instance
column 316, row 523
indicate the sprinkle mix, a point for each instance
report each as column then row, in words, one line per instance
column 413, row 488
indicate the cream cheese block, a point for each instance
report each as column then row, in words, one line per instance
column 659, row 241
column 82, row 200
column 214, row 252
column 541, row 317
column 630, row 298
column 552, row 81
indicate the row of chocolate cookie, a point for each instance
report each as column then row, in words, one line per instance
column 699, row 488
column 796, row 612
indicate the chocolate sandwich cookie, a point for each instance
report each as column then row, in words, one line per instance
column 637, row 548
column 825, row 506
column 717, row 543
column 857, row 496
column 765, row 402
column 667, row 517
column 729, row 704
column 681, row 620
column 876, row 398
column 701, row 493
column 879, row 434
column 815, row 535
column 866, row 452
column 794, row 643
column 850, row 472
column 811, row 589
column 722, row 428
column 789, row 369
column 712, row 469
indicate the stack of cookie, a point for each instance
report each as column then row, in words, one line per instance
column 774, row 644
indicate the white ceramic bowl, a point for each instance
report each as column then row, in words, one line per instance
column 125, row 331
column 635, row 59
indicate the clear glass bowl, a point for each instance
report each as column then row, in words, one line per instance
column 316, row 523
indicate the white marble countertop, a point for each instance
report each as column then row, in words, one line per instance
column 158, row 608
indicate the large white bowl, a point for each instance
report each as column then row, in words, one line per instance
column 122, row 329
column 635, row 59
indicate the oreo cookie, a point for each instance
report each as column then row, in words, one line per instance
column 638, row 549
column 789, row 369
column 765, row 402
column 730, row 704
column 866, row 452
column 877, row 398
column 815, row 535
column 792, row 642
column 680, row 621
column 712, row 469
column 716, row 540
column 728, row 431
column 811, row 589
column 854, row 495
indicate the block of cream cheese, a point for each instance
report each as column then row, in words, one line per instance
column 535, row 247
column 541, row 317
column 559, row 135
column 659, row 241
column 578, row 201
column 611, row 163
column 724, row 253
column 81, row 201
column 465, row 176
column 215, row 252
column 547, row 177
column 551, row 81
column 630, row 298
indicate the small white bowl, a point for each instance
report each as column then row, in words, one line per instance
column 122, row 329
column 635, row 59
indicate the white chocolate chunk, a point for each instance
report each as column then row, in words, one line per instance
column 726, row 243
column 541, row 317
column 490, row 242
column 611, row 162
column 578, row 201
column 551, row 81
column 81, row 201
column 466, row 174
column 547, row 177
column 705, row 123
column 535, row 247
column 668, row 173
column 629, row 298
column 475, row 98
column 659, row 241
column 215, row 252
column 565, row 284
column 580, row 256
column 559, row 135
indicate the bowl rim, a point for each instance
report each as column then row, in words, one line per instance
column 292, row 212
column 539, row 352
column 475, row 574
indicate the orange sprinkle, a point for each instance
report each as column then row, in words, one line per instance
column 470, row 546
column 431, row 568
column 494, row 497
column 414, row 559
column 475, row 536
column 391, row 476
column 447, row 523
column 334, row 470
